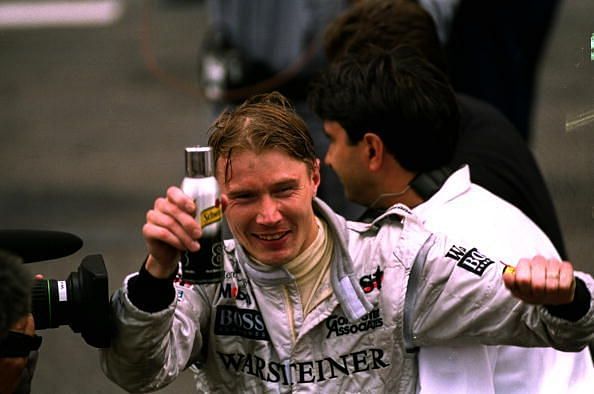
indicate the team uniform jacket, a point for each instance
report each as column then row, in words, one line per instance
column 473, row 215
column 396, row 287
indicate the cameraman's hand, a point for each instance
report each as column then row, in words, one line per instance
column 12, row 367
column 542, row 281
column 170, row 228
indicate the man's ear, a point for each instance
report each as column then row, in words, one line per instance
column 374, row 151
column 316, row 178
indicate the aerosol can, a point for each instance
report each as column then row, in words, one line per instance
column 205, row 265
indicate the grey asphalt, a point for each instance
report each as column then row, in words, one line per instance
column 93, row 122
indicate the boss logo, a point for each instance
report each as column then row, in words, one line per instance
column 245, row 323
column 472, row 260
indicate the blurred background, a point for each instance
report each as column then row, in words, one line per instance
column 95, row 113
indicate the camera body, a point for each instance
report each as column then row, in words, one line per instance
column 81, row 301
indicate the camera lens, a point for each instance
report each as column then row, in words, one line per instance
column 81, row 301
column 49, row 299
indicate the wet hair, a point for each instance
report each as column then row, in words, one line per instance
column 15, row 291
column 397, row 95
column 262, row 123
column 384, row 24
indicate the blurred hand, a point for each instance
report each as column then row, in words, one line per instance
column 169, row 229
column 26, row 325
column 541, row 281
column 12, row 367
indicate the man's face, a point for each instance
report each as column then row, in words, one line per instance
column 269, row 206
column 347, row 161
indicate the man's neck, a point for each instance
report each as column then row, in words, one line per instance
column 394, row 188
column 410, row 198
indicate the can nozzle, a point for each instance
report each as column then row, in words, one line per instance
column 199, row 161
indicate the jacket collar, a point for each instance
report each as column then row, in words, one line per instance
column 397, row 212
column 457, row 184
column 344, row 284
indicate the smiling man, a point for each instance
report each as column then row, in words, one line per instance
column 309, row 301
column 273, row 218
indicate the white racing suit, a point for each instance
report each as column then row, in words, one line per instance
column 396, row 287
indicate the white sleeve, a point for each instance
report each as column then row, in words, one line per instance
column 460, row 298
column 151, row 349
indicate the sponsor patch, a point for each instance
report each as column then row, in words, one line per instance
column 235, row 289
column 339, row 325
column 246, row 323
column 471, row 260
column 178, row 280
column 372, row 281
column 363, row 361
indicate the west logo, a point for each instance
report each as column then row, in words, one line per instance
column 373, row 281
column 339, row 325
column 306, row 371
column 235, row 290
column 245, row 323
column 472, row 261
column 456, row 252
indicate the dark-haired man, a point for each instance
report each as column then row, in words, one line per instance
column 499, row 159
column 392, row 121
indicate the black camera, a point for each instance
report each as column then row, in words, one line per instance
column 81, row 301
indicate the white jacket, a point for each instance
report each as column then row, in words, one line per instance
column 395, row 286
column 473, row 215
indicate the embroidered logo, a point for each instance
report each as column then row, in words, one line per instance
column 364, row 361
column 472, row 260
column 372, row 281
column 235, row 289
column 247, row 323
column 339, row 325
